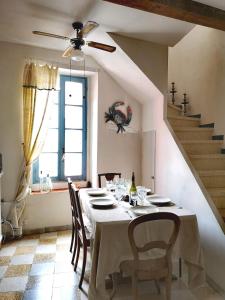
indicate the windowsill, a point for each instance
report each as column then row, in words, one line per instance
column 60, row 186
column 52, row 191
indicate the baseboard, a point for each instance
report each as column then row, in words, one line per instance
column 215, row 286
column 46, row 229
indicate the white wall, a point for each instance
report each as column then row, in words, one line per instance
column 118, row 152
column 12, row 60
column 152, row 61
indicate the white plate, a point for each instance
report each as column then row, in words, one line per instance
column 102, row 202
column 97, row 192
column 143, row 210
column 156, row 199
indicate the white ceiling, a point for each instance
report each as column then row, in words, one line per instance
column 19, row 17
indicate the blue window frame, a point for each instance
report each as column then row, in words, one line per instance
column 65, row 151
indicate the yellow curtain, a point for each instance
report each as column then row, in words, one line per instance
column 38, row 83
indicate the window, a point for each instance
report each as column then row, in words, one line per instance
column 64, row 153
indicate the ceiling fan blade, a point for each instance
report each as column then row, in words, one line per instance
column 51, row 35
column 101, row 46
column 88, row 27
column 68, row 52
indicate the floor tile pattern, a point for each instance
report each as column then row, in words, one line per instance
column 38, row 267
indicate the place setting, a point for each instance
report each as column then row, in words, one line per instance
column 100, row 198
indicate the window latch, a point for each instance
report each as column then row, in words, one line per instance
column 63, row 154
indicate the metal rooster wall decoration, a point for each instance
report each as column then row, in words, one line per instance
column 119, row 118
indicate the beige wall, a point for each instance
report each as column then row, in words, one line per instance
column 151, row 58
column 197, row 66
column 125, row 148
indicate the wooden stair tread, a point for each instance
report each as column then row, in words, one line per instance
column 216, row 191
column 184, row 118
column 212, row 173
column 201, row 141
column 201, row 129
column 174, row 107
column 208, row 156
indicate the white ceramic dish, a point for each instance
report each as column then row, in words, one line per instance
column 97, row 192
column 143, row 210
column 102, row 202
column 156, row 199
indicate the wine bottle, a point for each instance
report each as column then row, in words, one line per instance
column 133, row 192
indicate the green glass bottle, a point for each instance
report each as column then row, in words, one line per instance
column 133, row 192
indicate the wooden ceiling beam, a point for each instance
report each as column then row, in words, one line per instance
column 185, row 10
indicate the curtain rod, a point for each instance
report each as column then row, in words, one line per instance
column 62, row 65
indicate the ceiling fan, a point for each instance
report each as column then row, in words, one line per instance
column 75, row 49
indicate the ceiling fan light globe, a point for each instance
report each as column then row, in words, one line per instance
column 77, row 55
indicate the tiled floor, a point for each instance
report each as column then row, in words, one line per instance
column 38, row 268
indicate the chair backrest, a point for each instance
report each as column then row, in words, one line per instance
column 78, row 213
column 159, row 244
column 108, row 177
column 72, row 204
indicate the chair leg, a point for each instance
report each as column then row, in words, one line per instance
column 78, row 253
column 115, row 285
column 74, row 249
column 157, row 286
column 83, row 265
column 72, row 238
column 168, row 288
column 134, row 287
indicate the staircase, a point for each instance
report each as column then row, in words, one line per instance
column 204, row 151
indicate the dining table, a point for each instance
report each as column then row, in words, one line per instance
column 110, row 244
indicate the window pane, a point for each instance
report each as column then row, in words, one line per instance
column 73, row 93
column 48, row 164
column 73, row 140
column 51, row 141
column 73, row 164
column 54, row 121
column 73, row 117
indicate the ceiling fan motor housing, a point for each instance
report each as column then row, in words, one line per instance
column 77, row 25
column 77, row 43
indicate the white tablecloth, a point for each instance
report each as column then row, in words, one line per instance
column 111, row 245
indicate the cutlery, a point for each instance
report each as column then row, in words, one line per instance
column 129, row 213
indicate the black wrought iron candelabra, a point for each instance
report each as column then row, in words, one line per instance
column 173, row 92
column 185, row 103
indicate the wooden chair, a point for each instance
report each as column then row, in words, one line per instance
column 155, row 268
column 108, row 176
column 83, row 235
column 73, row 243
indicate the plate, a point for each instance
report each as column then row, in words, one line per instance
column 102, row 202
column 143, row 210
column 158, row 199
column 97, row 192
